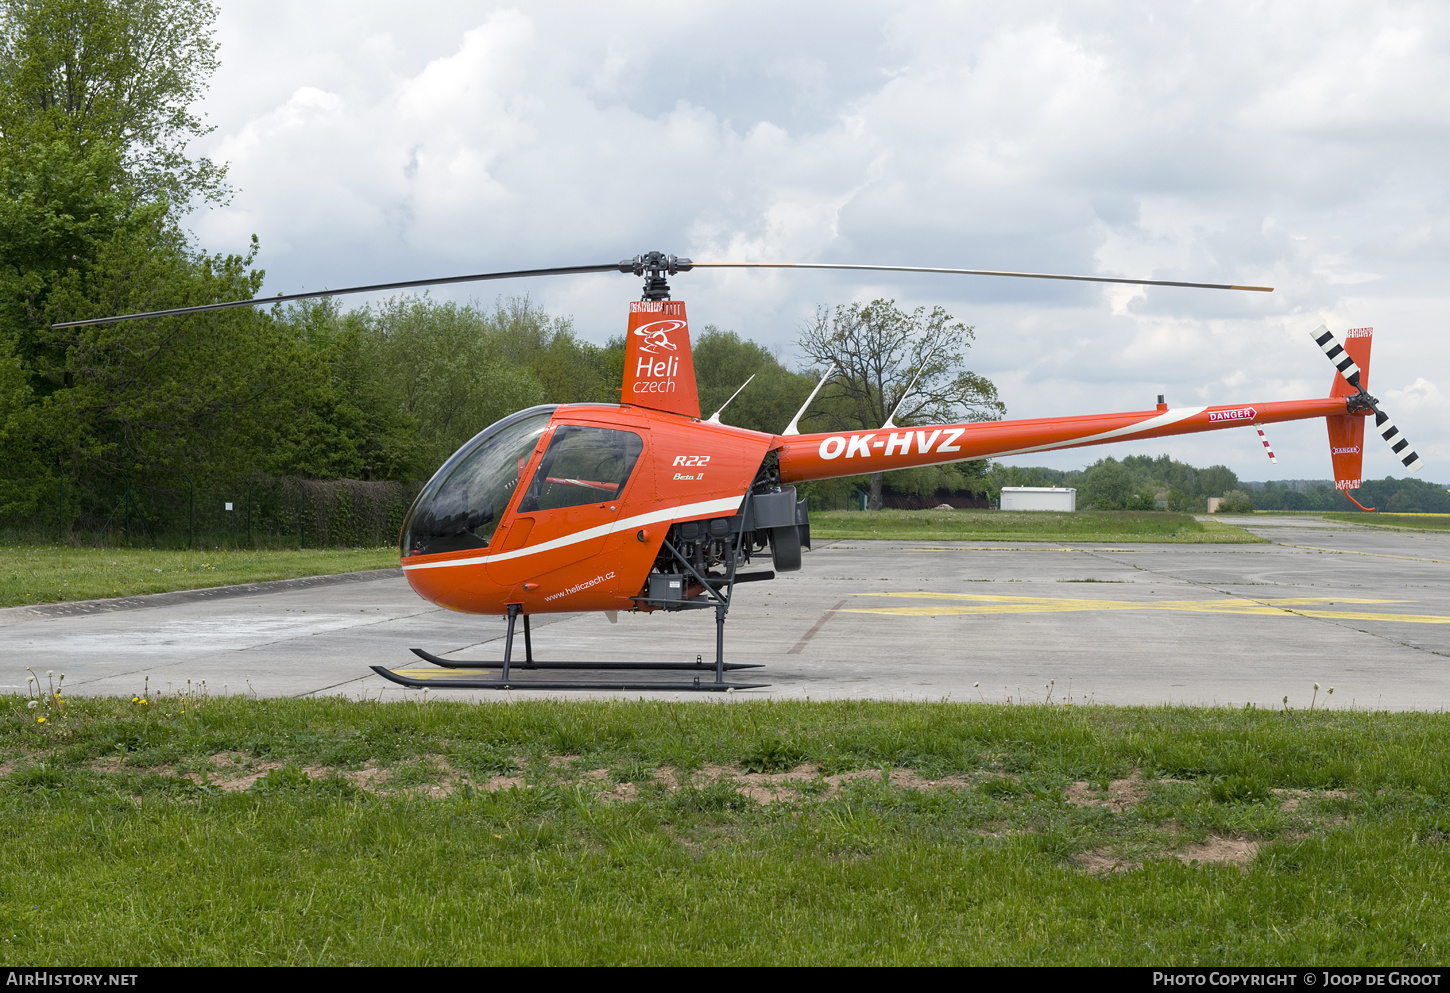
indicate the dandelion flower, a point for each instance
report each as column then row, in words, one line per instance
column 32, row 704
column 40, row 720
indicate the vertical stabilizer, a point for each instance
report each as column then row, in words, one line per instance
column 1346, row 431
column 659, row 371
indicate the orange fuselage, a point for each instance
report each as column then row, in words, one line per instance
column 597, row 556
column 562, row 509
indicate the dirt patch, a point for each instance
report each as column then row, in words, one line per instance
column 445, row 780
column 1102, row 862
column 773, row 787
column 621, row 793
column 370, row 777
column 238, row 781
column 1119, row 796
column 1290, row 799
column 1231, row 851
column 907, row 780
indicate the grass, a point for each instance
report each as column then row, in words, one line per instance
column 1418, row 522
column 998, row 525
column 223, row 832
column 52, row 573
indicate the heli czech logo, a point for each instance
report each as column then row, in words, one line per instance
column 657, row 350
column 656, row 336
column 1242, row 414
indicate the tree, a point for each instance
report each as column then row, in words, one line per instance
column 121, row 73
column 94, row 122
column 890, row 361
column 1237, row 502
column 567, row 369
column 1107, row 485
column 724, row 361
column 1216, row 480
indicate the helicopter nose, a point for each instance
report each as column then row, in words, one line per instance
column 465, row 588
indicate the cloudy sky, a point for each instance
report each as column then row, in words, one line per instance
column 1303, row 146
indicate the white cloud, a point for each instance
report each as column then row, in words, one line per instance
column 1295, row 144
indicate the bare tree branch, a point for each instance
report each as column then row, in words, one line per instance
column 887, row 359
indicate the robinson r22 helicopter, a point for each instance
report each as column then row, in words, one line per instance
column 645, row 506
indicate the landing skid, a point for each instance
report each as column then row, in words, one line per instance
column 482, row 682
column 481, row 677
column 427, row 656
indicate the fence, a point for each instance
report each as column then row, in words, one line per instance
column 257, row 512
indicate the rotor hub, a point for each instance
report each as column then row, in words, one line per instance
column 654, row 266
column 1361, row 401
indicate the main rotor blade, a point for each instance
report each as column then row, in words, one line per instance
column 684, row 266
column 407, row 284
column 976, row 272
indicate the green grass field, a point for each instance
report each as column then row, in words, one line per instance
column 50, row 573
column 998, row 525
column 194, row 831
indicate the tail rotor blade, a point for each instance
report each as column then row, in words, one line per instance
column 1398, row 443
column 1326, row 340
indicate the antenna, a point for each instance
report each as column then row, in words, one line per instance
column 715, row 417
column 794, row 426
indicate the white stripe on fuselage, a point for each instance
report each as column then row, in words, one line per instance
column 1161, row 421
column 726, row 505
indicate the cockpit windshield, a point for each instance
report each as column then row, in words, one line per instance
column 461, row 505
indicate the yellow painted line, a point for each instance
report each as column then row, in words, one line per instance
column 441, row 673
column 999, row 548
column 1378, row 555
column 1125, row 604
column 1275, row 607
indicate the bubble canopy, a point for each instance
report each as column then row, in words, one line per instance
column 463, row 502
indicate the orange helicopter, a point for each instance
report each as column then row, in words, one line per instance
column 645, row 506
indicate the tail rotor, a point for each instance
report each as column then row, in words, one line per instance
column 1352, row 383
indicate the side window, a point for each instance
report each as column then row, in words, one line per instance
column 583, row 465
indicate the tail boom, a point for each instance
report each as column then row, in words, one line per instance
column 849, row 453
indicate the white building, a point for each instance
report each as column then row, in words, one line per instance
column 1038, row 498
